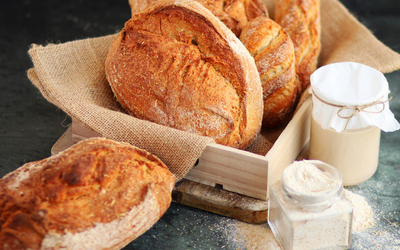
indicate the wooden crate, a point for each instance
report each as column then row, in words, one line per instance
column 241, row 171
column 248, row 173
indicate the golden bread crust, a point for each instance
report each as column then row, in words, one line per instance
column 273, row 52
column 301, row 19
column 177, row 65
column 233, row 13
column 82, row 191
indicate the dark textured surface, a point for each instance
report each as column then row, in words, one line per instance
column 29, row 125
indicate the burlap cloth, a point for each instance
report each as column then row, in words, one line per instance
column 72, row 77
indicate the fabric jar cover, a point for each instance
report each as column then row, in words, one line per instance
column 349, row 95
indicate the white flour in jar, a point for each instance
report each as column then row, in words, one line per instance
column 307, row 209
column 305, row 178
column 329, row 231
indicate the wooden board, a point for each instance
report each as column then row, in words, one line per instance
column 220, row 201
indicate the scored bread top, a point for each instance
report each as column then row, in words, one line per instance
column 83, row 190
column 237, row 13
column 177, row 65
column 273, row 51
column 301, row 19
column 233, row 13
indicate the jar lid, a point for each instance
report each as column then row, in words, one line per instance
column 349, row 95
column 312, row 184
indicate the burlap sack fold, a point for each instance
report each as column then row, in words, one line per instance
column 72, row 77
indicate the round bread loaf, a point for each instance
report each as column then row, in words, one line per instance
column 98, row 194
column 233, row 13
column 177, row 65
column 273, row 52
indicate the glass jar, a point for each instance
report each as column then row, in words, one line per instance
column 350, row 105
column 355, row 152
column 307, row 209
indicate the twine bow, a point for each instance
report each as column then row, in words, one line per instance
column 356, row 108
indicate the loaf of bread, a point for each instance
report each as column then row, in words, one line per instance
column 301, row 19
column 98, row 194
column 233, row 13
column 273, row 52
column 177, row 65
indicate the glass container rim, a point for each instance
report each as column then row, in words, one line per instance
column 319, row 200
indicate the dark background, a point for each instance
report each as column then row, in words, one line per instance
column 29, row 125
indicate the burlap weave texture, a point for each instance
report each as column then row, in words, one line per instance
column 71, row 75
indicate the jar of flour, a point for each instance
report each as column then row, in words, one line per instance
column 307, row 209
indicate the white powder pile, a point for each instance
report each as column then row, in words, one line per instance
column 363, row 216
column 305, row 178
column 256, row 237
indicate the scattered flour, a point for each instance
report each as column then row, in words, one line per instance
column 363, row 216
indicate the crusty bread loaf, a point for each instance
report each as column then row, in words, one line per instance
column 177, row 65
column 233, row 13
column 301, row 19
column 98, row 194
column 273, row 52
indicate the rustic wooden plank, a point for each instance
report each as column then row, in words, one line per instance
column 291, row 143
column 221, row 202
column 234, row 169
